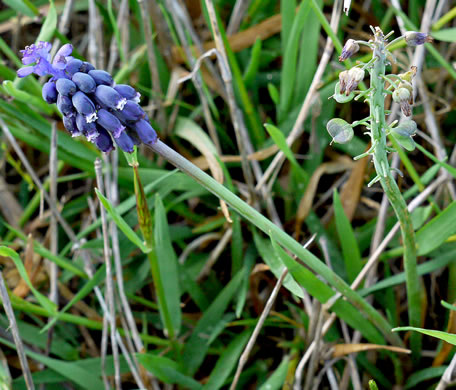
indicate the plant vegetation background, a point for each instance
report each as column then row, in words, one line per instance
column 219, row 272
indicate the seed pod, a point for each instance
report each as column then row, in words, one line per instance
column 340, row 131
column 69, row 121
column 128, row 92
column 104, row 140
column 131, row 112
column 84, row 106
column 403, row 134
column 341, row 97
column 65, row 105
column 109, row 97
column 87, row 67
column 73, row 66
column 49, row 92
column 66, row 87
column 125, row 142
column 88, row 129
column 145, row 132
column 84, row 82
column 110, row 122
column 101, row 77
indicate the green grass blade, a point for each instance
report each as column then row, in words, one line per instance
column 196, row 347
column 121, row 224
column 350, row 248
column 167, row 264
column 448, row 337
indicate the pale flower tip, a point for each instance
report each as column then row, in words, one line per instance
column 351, row 47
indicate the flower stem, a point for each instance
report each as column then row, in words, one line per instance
column 279, row 235
column 378, row 135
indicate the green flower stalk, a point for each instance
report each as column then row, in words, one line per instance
column 401, row 89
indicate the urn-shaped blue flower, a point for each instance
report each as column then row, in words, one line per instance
column 88, row 99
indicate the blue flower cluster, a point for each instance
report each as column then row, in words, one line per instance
column 90, row 102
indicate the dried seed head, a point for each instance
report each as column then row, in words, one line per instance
column 340, row 131
column 351, row 47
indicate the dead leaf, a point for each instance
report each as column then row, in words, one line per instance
column 339, row 350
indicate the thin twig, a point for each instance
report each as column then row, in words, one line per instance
column 245, row 355
column 236, row 115
column 239, row 10
column 153, row 67
column 15, row 331
column 123, row 23
column 215, row 254
column 53, row 269
column 37, row 181
column 95, row 48
column 447, row 376
column 109, row 281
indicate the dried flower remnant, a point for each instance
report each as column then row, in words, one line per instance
column 351, row 47
column 414, row 38
column 88, row 99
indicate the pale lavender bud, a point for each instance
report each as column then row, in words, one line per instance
column 66, row 87
column 101, row 77
column 343, row 80
column 355, row 76
column 109, row 97
column 49, row 92
column 414, row 38
column 84, row 82
column 350, row 48
column 84, row 106
column 65, row 105
column 110, row 122
column 402, row 96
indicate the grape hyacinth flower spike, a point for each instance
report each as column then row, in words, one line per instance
column 88, row 99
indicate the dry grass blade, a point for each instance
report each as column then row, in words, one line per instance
column 339, row 350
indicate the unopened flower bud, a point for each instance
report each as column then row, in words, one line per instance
column 65, row 105
column 350, row 48
column 131, row 112
column 145, row 132
column 125, row 142
column 49, row 92
column 109, row 97
column 87, row 67
column 69, row 121
column 73, row 66
column 84, row 82
column 340, row 131
column 104, row 140
column 66, row 87
column 414, row 38
column 343, row 80
column 128, row 92
column 84, row 106
column 110, row 122
column 88, row 129
column 101, row 77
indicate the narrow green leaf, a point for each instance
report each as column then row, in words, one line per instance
column 120, row 222
column 167, row 264
column 272, row 258
column 227, row 361
column 436, row 231
column 196, row 347
column 446, row 35
column 49, row 25
column 27, row 98
column 277, row 379
column 45, row 302
column 414, row 380
column 280, row 140
column 252, row 67
column 448, row 306
column 350, row 248
column 448, row 337
column 23, row 7
column 167, row 371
